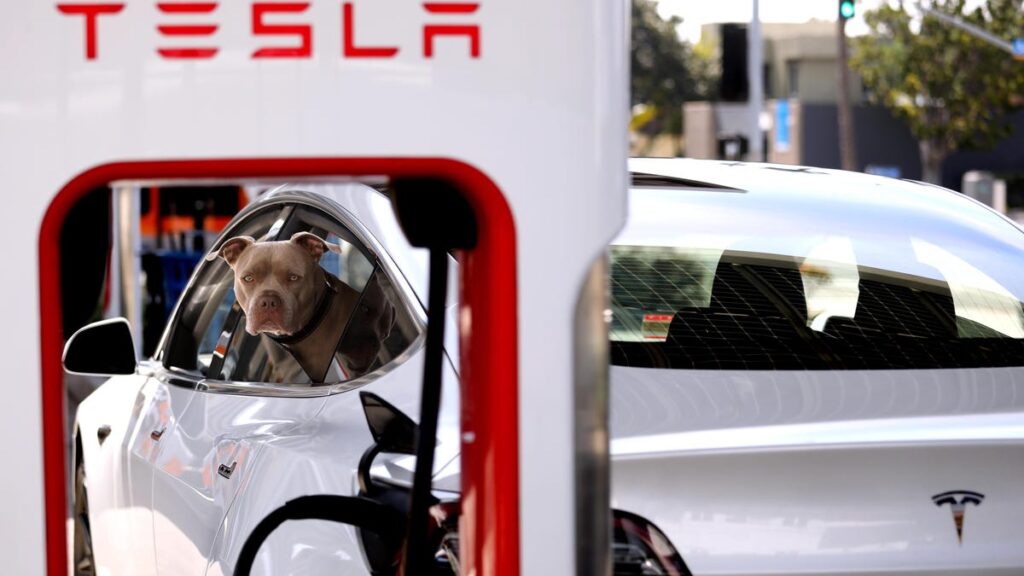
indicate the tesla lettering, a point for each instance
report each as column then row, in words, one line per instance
column 90, row 12
column 445, row 19
column 302, row 31
column 348, row 34
column 187, row 30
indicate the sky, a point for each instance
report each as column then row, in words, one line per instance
column 697, row 12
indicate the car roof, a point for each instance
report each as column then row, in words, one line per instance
column 766, row 177
column 807, row 196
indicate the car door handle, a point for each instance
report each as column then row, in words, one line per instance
column 226, row 471
column 156, row 434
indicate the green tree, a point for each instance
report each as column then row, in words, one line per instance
column 665, row 70
column 953, row 90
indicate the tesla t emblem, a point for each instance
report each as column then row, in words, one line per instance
column 958, row 501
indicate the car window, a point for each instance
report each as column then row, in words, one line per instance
column 360, row 323
column 787, row 293
column 196, row 331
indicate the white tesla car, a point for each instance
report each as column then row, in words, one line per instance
column 813, row 372
column 818, row 372
column 176, row 463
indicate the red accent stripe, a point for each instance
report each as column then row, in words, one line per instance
column 186, row 7
column 657, row 317
column 489, row 387
column 187, row 53
column 187, row 29
column 450, row 8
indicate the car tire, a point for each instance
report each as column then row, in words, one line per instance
column 84, row 563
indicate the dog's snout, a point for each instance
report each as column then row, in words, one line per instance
column 268, row 302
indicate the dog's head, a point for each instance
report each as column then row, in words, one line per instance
column 277, row 283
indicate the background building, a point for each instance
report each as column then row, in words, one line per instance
column 800, row 118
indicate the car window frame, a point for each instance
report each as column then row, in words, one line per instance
column 289, row 200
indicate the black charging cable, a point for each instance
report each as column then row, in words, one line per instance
column 353, row 510
column 416, row 551
column 436, row 216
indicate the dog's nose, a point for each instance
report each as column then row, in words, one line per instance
column 268, row 302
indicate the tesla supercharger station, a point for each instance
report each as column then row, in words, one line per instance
column 521, row 105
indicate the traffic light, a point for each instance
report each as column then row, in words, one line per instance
column 846, row 9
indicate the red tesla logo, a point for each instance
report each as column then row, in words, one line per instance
column 445, row 19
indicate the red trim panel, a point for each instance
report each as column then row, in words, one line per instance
column 490, row 469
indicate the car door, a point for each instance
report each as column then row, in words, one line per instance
column 205, row 460
column 157, row 450
column 241, row 403
column 155, row 407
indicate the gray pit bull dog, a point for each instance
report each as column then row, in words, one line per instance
column 286, row 295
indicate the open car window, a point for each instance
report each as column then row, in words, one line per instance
column 373, row 326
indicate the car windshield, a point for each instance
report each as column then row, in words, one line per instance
column 910, row 277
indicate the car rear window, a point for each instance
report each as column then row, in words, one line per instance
column 755, row 294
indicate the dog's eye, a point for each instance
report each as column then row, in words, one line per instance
column 247, row 278
column 293, row 277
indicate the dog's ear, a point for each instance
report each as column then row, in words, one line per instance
column 315, row 245
column 232, row 249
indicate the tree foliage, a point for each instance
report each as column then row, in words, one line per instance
column 665, row 69
column 954, row 91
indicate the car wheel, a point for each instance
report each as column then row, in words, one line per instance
column 84, row 564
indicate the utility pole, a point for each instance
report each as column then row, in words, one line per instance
column 979, row 33
column 847, row 150
column 755, row 84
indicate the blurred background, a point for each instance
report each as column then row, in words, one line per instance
column 927, row 90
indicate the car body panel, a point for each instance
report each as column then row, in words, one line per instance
column 191, row 493
column 161, row 404
column 651, row 402
column 115, row 522
column 320, row 457
column 850, row 508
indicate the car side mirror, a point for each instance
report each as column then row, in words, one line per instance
column 104, row 348
column 391, row 429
